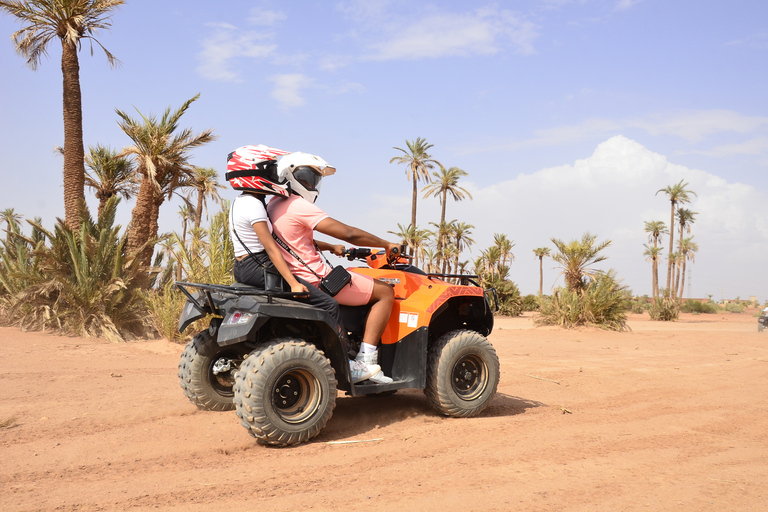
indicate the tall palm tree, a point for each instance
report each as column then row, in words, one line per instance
column 653, row 256
column 112, row 175
column 71, row 21
column 685, row 218
column 162, row 155
column 678, row 194
column 688, row 250
column 541, row 252
column 419, row 162
column 205, row 180
column 576, row 257
column 655, row 229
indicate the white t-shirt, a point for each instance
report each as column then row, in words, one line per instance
column 246, row 211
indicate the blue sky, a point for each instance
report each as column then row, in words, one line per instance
column 567, row 115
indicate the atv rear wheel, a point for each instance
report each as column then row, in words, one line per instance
column 206, row 372
column 462, row 374
column 285, row 392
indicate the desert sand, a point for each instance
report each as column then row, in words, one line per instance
column 669, row 416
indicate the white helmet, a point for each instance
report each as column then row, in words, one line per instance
column 304, row 172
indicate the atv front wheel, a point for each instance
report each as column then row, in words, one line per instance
column 462, row 374
column 206, row 372
column 285, row 392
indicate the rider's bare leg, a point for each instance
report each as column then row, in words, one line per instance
column 382, row 300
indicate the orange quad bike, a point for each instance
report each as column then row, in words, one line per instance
column 279, row 362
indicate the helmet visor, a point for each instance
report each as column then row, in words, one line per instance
column 308, row 176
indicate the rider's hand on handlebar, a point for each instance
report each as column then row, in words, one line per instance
column 338, row 250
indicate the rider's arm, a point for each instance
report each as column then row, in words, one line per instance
column 332, row 227
column 262, row 231
column 337, row 249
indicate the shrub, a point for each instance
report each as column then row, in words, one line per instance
column 530, row 303
column 695, row 306
column 664, row 309
column 734, row 307
column 80, row 282
column 602, row 303
column 207, row 258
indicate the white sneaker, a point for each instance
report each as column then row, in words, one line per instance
column 361, row 371
column 380, row 378
column 370, row 359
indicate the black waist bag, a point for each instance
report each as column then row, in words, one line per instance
column 335, row 281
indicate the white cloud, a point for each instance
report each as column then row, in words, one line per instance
column 223, row 51
column 623, row 5
column 265, row 17
column 288, row 89
column 443, row 34
column 611, row 194
column 693, row 126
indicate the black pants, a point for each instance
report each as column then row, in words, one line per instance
column 248, row 271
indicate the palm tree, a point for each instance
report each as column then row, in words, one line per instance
column 419, row 162
column 446, row 182
column 678, row 194
column 684, row 219
column 655, row 229
column 505, row 246
column 442, row 237
column 540, row 253
column 205, row 180
column 415, row 239
column 688, row 250
column 112, row 175
column 70, row 21
column 460, row 232
column 162, row 156
column 11, row 219
column 576, row 257
column 653, row 256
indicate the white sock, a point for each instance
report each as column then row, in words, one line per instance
column 366, row 348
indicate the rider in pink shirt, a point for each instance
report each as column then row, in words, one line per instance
column 294, row 220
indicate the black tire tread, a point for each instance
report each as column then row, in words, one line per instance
column 251, row 382
column 440, row 360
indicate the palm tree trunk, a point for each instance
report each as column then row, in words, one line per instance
column 74, row 154
column 541, row 276
column 139, row 227
column 682, row 281
column 199, row 209
column 655, row 277
column 413, row 203
column 671, row 244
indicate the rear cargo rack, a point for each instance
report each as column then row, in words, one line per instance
column 239, row 290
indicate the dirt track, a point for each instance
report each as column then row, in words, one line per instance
column 672, row 416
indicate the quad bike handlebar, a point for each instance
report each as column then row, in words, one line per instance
column 372, row 257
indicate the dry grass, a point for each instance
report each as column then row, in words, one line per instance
column 8, row 423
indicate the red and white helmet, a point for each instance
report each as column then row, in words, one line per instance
column 305, row 173
column 254, row 169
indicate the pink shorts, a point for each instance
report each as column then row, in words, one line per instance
column 357, row 292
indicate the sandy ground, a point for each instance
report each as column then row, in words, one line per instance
column 671, row 416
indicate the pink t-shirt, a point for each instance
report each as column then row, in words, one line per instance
column 294, row 220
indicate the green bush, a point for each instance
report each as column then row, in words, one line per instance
column 734, row 307
column 79, row 282
column 530, row 303
column 695, row 306
column 602, row 303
